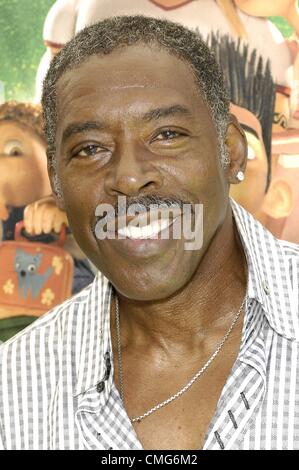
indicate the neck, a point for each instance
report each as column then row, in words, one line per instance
column 201, row 310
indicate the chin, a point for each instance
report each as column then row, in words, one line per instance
column 149, row 290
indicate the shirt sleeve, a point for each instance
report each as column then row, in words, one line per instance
column 1, row 440
column 60, row 23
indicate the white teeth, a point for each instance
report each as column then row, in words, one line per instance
column 148, row 231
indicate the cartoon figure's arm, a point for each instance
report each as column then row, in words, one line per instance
column 43, row 216
column 288, row 9
column 292, row 16
column 60, row 23
column 59, row 28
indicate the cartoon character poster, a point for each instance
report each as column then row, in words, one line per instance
column 262, row 34
column 32, row 32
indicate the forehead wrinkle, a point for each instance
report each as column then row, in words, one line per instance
column 162, row 112
column 124, row 72
column 120, row 87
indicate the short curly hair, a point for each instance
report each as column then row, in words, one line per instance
column 108, row 35
column 28, row 114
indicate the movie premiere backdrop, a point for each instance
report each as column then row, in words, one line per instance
column 256, row 43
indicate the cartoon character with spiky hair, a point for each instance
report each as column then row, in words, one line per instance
column 246, row 19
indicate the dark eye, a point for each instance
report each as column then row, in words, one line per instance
column 168, row 134
column 31, row 268
column 16, row 153
column 13, row 148
column 89, row 150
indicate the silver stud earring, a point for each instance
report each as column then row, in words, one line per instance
column 240, row 176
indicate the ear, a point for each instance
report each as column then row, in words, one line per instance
column 278, row 201
column 55, row 184
column 236, row 144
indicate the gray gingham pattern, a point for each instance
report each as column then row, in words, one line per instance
column 57, row 389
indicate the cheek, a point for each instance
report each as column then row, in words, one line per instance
column 81, row 194
column 206, row 183
column 256, row 173
column 19, row 180
column 78, row 203
column 199, row 174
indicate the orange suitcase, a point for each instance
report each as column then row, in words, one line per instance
column 34, row 277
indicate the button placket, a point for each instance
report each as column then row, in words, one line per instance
column 101, row 384
column 266, row 287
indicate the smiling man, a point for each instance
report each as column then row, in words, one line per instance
column 169, row 348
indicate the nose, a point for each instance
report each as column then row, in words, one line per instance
column 131, row 172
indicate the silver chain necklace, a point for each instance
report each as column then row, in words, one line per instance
column 188, row 385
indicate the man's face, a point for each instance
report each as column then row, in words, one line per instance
column 23, row 167
column 133, row 124
column 251, row 192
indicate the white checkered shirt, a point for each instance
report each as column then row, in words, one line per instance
column 56, row 376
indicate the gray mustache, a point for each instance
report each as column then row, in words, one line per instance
column 149, row 202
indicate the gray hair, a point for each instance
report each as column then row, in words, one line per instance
column 106, row 36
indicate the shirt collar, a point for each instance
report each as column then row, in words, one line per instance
column 268, row 283
column 268, row 273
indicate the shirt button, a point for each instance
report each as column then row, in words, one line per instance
column 100, row 386
column 266, row 288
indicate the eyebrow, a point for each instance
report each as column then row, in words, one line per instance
column 153, row 114
column 80, row 127
column 159, row 113
column 250, row 130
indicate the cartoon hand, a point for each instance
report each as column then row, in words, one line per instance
column 43, row 216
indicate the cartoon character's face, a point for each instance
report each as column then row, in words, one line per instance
column 282, row 207
column 26, row 264
column 265, row 8
column 281, row 113
column 23, row 167
column 251, row 192
column 289, row 173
